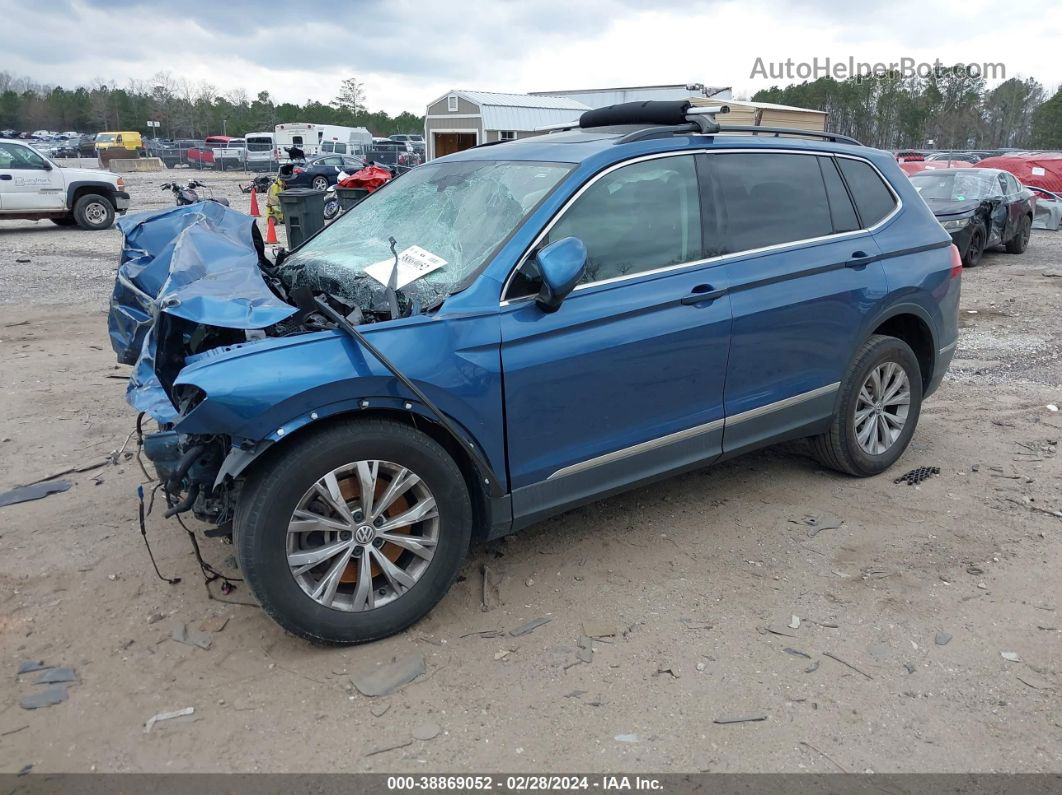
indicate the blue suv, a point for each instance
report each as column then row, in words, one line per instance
column 517, row 329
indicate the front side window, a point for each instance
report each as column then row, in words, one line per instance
column 771, row 199
column 637, row 218
column 19, row 157
column 872, row 198
column 460, row 212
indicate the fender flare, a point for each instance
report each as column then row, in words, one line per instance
column 894, row 310
column 240, row 457
column 104, row 188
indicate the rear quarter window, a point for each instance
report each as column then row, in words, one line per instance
column 872, row 197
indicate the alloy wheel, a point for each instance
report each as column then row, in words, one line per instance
column 362, row 535
column 881, row 408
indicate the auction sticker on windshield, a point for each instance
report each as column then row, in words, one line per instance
column 413, row 263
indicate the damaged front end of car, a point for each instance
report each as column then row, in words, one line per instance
column 190, row 280
column 232, row 353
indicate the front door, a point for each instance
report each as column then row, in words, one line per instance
column 625, row 381
column 28, row 181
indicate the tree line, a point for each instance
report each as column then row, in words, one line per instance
column 184, row 109
column 947, row 109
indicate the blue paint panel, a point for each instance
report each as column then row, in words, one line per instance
column 256, row 388
column 617, row 365
column 798, row 316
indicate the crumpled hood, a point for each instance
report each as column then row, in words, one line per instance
column 947, row 209
column 199, row 263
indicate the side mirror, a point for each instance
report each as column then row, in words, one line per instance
column 561, row 265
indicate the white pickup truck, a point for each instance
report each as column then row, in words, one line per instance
column 34, row 187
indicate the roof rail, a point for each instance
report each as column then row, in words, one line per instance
column 777, row 131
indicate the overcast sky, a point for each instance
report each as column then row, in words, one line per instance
column 408, row 53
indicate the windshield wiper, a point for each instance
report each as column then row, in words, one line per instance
column 392, row 281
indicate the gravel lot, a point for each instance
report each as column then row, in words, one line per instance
column 896, row 665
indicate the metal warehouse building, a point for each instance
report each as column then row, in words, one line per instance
column 461, row 119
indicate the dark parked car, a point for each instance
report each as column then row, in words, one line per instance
column 175, row 153
column 318, row 172
column 511, row 331
column 980, row 207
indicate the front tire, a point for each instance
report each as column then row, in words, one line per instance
column 331, row 567
column 94, row 212
column 976, row 249
column 878, row 406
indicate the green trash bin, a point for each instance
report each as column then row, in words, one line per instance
column 348, row 197
column 303, row 213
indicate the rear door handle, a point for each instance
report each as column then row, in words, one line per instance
column 702, row 294
column 5, row 176
column 860, row 259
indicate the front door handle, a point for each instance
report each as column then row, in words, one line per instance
column 860, row 259
column 5, row 176
column 702, row 294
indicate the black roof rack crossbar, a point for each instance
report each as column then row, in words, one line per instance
column 777, row 131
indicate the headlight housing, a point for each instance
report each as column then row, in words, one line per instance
column 955, row 224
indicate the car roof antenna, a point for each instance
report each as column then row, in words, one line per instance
column 392, row 281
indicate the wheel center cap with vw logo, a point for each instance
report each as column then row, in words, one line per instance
column 365, row 534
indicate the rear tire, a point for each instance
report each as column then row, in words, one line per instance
column 1020, row 241
column 94, row 212
column 843, row 447
column 281, row 485
column 319, row 183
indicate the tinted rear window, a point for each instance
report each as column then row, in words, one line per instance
column 841, row 210
column 872, row 198
column 771, row 198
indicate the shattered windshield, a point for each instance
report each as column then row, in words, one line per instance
column 957, row 187
column 454, row 213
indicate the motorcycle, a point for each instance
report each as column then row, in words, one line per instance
column 187, row 194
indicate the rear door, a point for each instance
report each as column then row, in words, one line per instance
column 625, row 380
column 803, row 274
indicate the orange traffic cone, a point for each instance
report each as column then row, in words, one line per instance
column 271, row 231
column 254, row 204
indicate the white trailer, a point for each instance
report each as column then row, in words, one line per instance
column 314, row 139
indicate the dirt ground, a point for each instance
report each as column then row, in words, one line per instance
column 905, row 609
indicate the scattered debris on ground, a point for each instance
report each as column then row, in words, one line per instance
column 916, row 476
column 529, row 627
column 388, row 678
column 161, row 716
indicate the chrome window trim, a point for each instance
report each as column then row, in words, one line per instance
column 697, row 430
column 720, row 258
column 642, row 447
